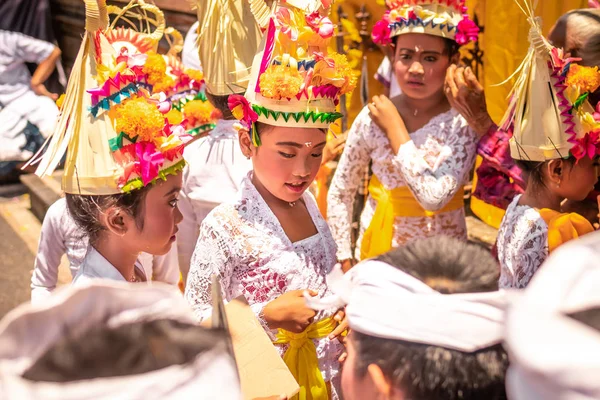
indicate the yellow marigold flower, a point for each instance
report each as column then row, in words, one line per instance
column 139, row 118
column 280, row 82
column 194, row 74
column 163, row 85
column 586, row 78
column 174, row 116
column 343, row 70
column 197, row 113
column 155, row 67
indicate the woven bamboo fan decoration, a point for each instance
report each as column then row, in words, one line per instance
column 549, row 107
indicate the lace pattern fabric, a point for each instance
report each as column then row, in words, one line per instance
column 522, row 245
column 434, row 165
column 244, row 244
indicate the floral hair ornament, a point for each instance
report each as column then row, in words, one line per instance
column 295, row 81
column 444, row 18
column 549, row 104
column 112, row 126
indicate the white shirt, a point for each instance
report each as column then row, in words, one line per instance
column 243, row 243
column 434, row 165
column 214, row 173
column 95, row 266
column 60, row 235
column 18, row 103
column 189, row 54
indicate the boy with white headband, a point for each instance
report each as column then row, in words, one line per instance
column 556, row 354
column 426, row 323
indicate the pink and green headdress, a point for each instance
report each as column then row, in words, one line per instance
column 444, row 18
column 112, row 126
column 549, row 105
column 295, row 81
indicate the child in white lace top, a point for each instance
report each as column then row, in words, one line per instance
column 420, row 149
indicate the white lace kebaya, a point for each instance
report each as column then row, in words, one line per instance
column 244, row 244
column 522, row 245
column 434, row 165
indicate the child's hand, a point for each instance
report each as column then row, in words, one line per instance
column 342, row 320
column 289, row 312
column 334, row 147
column 388, row 119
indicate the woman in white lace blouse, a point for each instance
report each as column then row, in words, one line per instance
column 270, row 244
column 419, row 171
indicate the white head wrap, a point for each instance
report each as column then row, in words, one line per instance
column 29, row 331
column 383, row 301
column 553, row 356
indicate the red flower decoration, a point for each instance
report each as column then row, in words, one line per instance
column 242, row 110
column 587, row 146
column 466, row 31
column 412, row 15
column 381, row 32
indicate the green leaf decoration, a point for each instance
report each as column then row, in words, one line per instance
column 580, row 100
column 137, row 183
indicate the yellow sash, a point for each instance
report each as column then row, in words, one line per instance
column 301, row 358
column 563, row 227
column 399, row 202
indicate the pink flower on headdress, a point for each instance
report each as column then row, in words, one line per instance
column 588, row 145
column 242, row 110
column 322, row 25
column 287, row 23
column 150, row 160
column 596, row 114
column 412, row 15
column 381, row 32
column 466, row 31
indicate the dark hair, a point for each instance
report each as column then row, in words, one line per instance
column 220, row 102
column 426, row 372
column 86, row 210
column 589, row 317
column 130, row 349
column 534, row 170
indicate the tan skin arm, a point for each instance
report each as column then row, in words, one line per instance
column 42, row 72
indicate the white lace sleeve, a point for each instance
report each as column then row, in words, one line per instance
column 345, row 183
column 436, row 171
column 211, row 256
column 529, row 257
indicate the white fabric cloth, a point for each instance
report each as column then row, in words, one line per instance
column 27, row 332
column 434, row 165
column 95, row 266
column 18, row 103
column 553, row 356
column 522, row 245
column 60, row 235
column 214, row 173
column 189, row 54
column 386, row 302
column 243, row 243
column 385, row 74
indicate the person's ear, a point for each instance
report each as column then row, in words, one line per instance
column 117, row 221
column 382, row 384
column 556, row 170
column 245, row 142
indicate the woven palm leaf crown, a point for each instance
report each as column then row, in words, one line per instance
column 111, row 126
column 549, row 105
column 295, row 81
column 444, row 18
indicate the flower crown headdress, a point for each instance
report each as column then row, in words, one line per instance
column 111, row 126
column 444, row 18
column 295, row 81
column 549, row 103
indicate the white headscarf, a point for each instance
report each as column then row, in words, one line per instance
column 383, row 301
column 29, row 331
column 552, row 355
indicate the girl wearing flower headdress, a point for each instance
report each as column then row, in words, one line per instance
column 556, row 144
column 420, row 149
column 271, row 244
column 124, row 159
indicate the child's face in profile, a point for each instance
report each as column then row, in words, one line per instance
column 579, row 180
column 160, row 216
column 287, row 160
column 420, row 64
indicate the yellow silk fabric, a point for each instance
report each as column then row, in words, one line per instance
column 301, row 358
column 563, row 227
column 398, row 202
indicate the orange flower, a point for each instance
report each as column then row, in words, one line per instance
column 280, row 82
column 139, row 118
column 174, row 116
column 587, row 79
column 197, row 113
